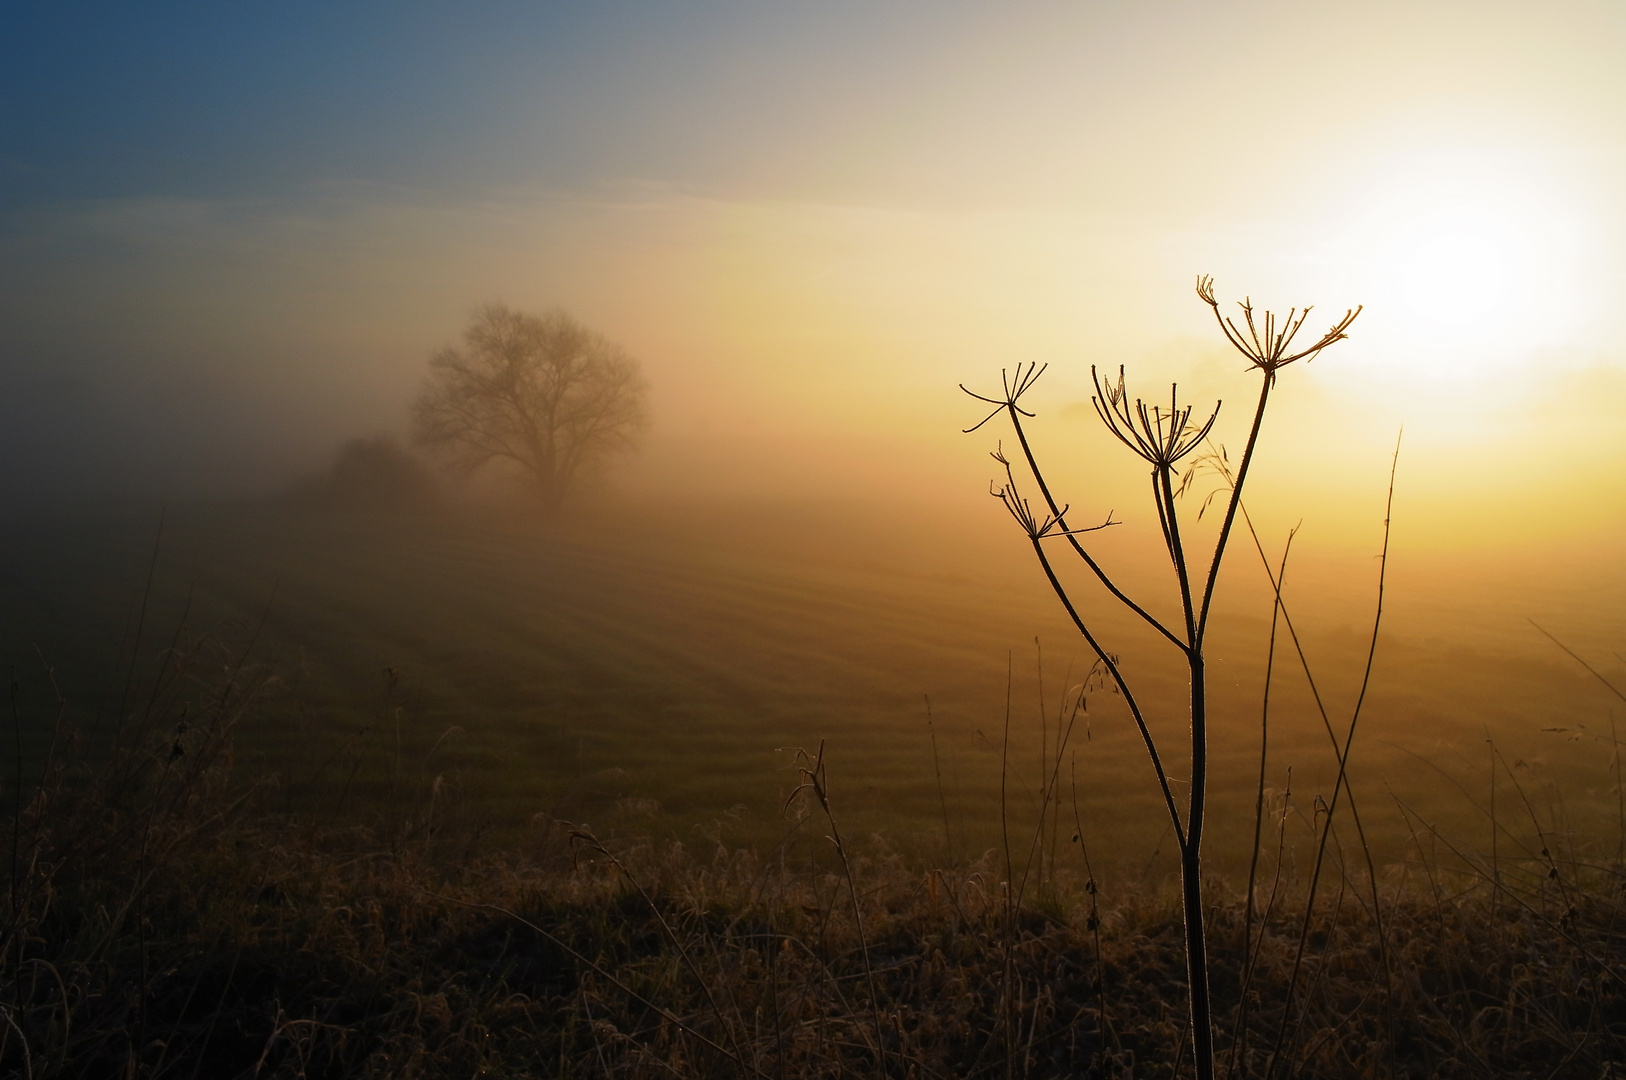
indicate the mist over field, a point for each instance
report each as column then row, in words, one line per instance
column 652, row 665
column 230, row 245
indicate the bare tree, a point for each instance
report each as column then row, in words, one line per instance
column 543, row 394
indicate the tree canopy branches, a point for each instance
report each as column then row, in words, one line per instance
column 542, row 393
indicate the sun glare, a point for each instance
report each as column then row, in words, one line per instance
column 1458, row 271
column 1471, row 260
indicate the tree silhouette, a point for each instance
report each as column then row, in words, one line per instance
column 543, row 394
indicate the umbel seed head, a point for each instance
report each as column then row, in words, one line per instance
column 1266, row 344
column 1161, row 437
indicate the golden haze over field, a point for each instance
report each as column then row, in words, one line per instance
column 229, row 250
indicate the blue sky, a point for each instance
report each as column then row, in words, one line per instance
column 217, row 100
column 228, row 100
column 839, row 99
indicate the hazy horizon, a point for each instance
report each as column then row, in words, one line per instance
column 231, row 241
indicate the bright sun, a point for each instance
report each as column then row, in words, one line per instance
column 1471, row 260
column 1457, row 271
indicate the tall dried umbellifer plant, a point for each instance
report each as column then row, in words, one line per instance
column 1162, row 436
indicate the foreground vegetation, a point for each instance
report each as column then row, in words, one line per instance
column 163, row 916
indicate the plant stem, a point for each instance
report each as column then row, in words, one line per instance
column 1231, row 507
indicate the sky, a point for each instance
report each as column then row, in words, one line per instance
column 232, row 235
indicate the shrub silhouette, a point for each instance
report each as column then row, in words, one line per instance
column 374, row 473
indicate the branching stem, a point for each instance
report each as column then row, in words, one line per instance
column 1162, row 439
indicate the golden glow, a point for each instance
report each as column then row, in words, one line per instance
column 1458, row 271
column 1470, row 258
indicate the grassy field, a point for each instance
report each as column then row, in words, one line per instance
column 316, row 802
column 648, row 670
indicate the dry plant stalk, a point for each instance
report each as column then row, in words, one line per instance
column 1162, row 437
